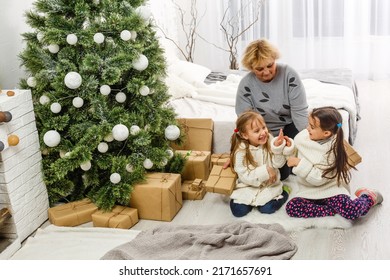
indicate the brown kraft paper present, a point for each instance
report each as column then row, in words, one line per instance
column 219, row 159
column 196, row 166
column 198, row 134
column 159, row 198
column 118, row 217
column 72, row 213
column 221, row 180
column 193, row 190
column 353, row 157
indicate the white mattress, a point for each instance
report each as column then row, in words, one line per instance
column 224, row 118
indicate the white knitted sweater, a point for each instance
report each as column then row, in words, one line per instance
column 314, row 160
column 251, row 187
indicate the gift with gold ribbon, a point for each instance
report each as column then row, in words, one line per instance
column 72, row 213
column 219, row 159
column 193, row 190
column 118, row 217
column 197, row 165
column 198, row 134
column 221, row 180
column 159, row 197
column 353, row 157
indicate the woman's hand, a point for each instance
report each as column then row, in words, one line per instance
column 293, row 161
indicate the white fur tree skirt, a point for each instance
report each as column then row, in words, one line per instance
column 72, row 243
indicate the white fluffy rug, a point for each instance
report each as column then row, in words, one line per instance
column 72, row 243
column 297, row 224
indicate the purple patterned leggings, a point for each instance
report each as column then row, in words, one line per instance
column 340, row 204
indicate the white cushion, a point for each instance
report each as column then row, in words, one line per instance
column 178, row 88
column 192, row 73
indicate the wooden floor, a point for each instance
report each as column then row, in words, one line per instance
column 367, row 238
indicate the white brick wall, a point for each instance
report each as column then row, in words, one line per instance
column 22, row 189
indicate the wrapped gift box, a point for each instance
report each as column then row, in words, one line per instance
column 196, row 166
column 219, row 159
column 198, row 134
column 353, row 157
column 159, row 198
column 193, row 190
column 72, row 213
column 118, row 217
column 221, row 180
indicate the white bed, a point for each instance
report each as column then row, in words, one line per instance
column 198, row 94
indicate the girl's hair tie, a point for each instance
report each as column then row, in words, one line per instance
column 235, row 130
column 339, row 125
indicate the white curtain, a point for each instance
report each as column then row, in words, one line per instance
column 310, row 34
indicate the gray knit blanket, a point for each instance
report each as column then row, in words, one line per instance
column 230, row 241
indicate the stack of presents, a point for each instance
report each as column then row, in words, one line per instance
column 161, row 196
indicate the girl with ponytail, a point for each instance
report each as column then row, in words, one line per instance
column 323, row 171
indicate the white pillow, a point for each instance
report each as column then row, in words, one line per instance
column 178, row 88
column 192, row 73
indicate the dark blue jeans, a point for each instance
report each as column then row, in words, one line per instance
column 240, row 210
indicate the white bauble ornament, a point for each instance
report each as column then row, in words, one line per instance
column 62, row 154
column 170, row 153
column 115, row 178
column 125, row 35
column 71, row 39
column 44, row 99
column 86, row 24
column 134, row 129
column 31, row 82
column 172, row 132
column 102, row 147
column 96, row 2
column 40, row 36
column 164, row 162
column 120, row 132
column 73, row 80
column 141, row 63
column 109, row 138
column 144, row 12
column 98, row 38
column 133, row 35
column 55, row 107
column 120, row 97
column 148, row 163
column 105, row 89
column 144, row 90
column 129, row 168
column 52, row 138
column 53, row 48
column 67, row 154
column 86, row 165
column 78, row 102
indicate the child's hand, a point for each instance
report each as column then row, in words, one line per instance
column 293, row 161
column 279, row 140
column 272, row 175
column 288, row 141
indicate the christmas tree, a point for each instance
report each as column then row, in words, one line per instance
column 96, row 69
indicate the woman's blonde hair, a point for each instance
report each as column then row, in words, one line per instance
column 245, row 118
column 258, row 51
